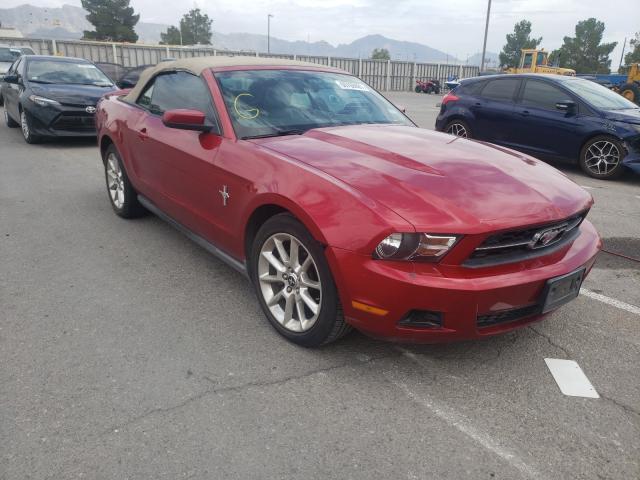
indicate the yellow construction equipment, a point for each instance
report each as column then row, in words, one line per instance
column 537, row 61
column 631, row 89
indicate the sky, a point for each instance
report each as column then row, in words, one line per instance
column 453, row 26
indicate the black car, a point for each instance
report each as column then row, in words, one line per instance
column 549, row 117
column 51, row 96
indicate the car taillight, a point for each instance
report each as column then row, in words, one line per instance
column 449, row 97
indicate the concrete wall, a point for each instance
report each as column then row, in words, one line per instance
column 380, row 74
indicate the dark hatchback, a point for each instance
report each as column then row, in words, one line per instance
column 51, row 96
column 550, row 117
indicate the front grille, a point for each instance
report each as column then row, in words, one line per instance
column 522, row 244
column 506, row 316
column 75, row 122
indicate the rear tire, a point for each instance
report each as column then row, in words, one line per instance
column 418, row 89
column 601, row 157
column 294, row 284
column 11, row 123
column 122, row 195
column 459, row 128
column 631, row 92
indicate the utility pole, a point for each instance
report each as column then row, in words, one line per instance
column 624, row 45
column 269, row 33
column 486, row 31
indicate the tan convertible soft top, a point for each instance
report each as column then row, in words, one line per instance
column 197, row 65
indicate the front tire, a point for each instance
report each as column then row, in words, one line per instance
column 26, row 125
column 601, row 157
column 11, row 123
column 418, row 89
column 458, row 128
column 294, row 284
column 122, row 195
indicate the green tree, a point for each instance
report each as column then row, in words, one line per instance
column 380, row 54
column 171, row 36
column 113, row 20
column 516, row 41
column 633, row 56
column 195, row 27
column 585, row 53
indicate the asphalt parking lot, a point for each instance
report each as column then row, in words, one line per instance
column 129, row 352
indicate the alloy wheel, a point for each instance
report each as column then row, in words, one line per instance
column 457, row 129
column 115, row 182
column 24, row 125
column 602, row 157
column 290, row 282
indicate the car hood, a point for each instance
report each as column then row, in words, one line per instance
column 79, row 95
column 4, row 67
column 436, row 181
column 631, row 115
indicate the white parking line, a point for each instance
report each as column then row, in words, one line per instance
column 610, row 301
column 461, row 423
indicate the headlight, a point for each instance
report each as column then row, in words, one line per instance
column 415, row 246
column 42, row 101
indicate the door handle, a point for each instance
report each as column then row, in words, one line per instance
column 477, row 104
column 524, row 113
column 142, row 134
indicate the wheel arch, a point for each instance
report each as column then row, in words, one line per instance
column 591, row 136
column 105, row 142
column 268, row 206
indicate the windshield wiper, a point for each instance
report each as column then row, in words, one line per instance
column 279, row 133
column 40, row 81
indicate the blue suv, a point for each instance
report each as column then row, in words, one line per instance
column 549, row 117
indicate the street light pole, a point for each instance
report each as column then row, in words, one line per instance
column 269, row 33
column 486, row 31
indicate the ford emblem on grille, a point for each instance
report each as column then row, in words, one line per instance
column 547, row 237
column 90, row 109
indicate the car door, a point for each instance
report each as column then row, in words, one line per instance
column 493, row 111
column 545, row 130
column 179, row 164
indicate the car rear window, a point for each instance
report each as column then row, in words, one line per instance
column 502, row 89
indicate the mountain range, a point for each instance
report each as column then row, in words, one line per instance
column 68, row 22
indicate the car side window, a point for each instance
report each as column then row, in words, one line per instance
column 20, row 67
column 181, row 90
column 14, row 67
column 502, row 90
column 542, row 95
column 178, row 90
column 144, row 100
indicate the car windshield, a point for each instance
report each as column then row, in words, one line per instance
column 6, row 55
column 265, row 103
column 79, row 73
column 597, row 95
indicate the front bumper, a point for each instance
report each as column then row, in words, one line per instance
column 61, row 121
column 632, row 159
column 465, row 298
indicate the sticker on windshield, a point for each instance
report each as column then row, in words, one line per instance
column 86, row 66
column 352, row 85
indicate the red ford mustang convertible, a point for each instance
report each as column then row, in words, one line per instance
column 338, row 208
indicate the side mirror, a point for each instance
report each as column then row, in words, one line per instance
column 566, row 106
column 186, row 120
column 11, row 78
